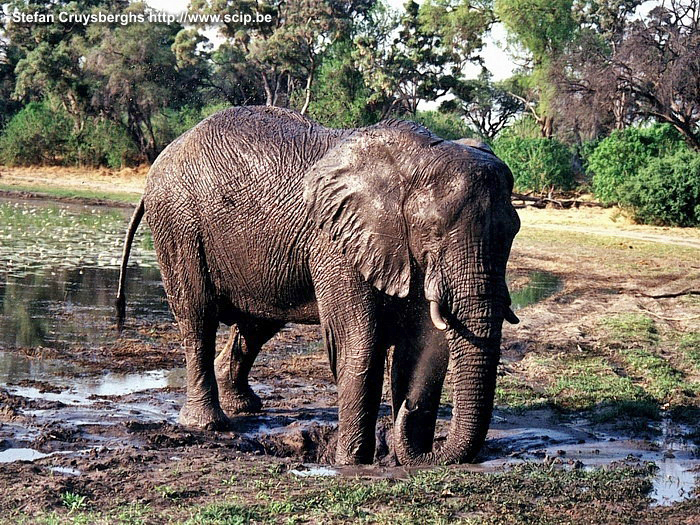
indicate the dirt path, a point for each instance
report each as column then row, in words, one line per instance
column 631, row 235
column 128, row 180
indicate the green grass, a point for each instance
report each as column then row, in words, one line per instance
column 586, row 383
column 626, row 330
column 513, row 393
column 74, row 193
column 527, row 493
column 689, row 346
column 524, row 494
column 639, row 347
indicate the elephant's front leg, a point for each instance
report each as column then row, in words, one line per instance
column 418, row 368
column 348, row 319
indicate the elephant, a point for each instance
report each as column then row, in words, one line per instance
column 388, row 236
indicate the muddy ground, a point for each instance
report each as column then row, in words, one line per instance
column 597, row 417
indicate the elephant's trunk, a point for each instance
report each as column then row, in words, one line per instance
column 474, row 356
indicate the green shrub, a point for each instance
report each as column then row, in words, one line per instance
column 618, row 158
column 340, row 98
column 37, row 134
column 667, row 191
column 101, row 143
column 44, row 133
column 449, row 126
column 537, row 163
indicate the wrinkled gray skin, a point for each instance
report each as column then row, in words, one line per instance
column 387, row 236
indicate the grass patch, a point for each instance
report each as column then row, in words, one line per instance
column 629, row 329
column 512, row 393
column 635, row 342
column 689, row 346
column 526, row 494
column 74, row 193
column 589, row 382
column 663, row 382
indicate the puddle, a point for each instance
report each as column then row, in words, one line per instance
column 540, row 285
column 59, row 270
column 74, row 388
column 65, row 470
column 314, row 470
column 518, row 438
column 21, row 454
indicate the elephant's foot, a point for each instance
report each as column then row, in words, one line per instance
column 204, row 417
column 239, row 401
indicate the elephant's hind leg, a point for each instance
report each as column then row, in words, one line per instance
column 189, row 293
column 234, row 362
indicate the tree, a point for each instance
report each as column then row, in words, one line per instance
column 488, row 106
column 8, row 62
column 651, row 71
column 133, row 71
column 340, row 96
column 434, row 42
column 221, row 73
column 50, row 55
column 543, row 29
column 285, row 52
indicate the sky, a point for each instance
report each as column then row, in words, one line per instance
column 497, row 60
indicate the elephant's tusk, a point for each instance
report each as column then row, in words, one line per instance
column 511, row 317
column 436, row 317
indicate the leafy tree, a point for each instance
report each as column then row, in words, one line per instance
column 285, row 52
column 543, row 29
column 134, row 74
column 50, row 61
column 340, row 97
column 434, row 42
column 488, row 106
column 8, row 62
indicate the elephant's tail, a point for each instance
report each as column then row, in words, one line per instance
column 128, row 240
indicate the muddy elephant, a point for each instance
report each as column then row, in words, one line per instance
column 387, row 236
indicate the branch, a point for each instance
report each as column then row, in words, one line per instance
column 687, row 291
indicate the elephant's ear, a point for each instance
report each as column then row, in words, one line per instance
column 355, row 192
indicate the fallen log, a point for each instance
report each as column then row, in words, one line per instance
column 542, row 202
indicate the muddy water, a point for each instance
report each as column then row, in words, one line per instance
column 58, row 275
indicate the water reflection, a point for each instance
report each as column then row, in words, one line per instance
column 58, row 274
column 540, row 286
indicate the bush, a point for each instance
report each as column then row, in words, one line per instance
column 449, row 126
column 44, row 133
column 101, row 143
column 618, row 158
column 340, row 98
column 667, row 191
column 537, row 163
column 37, row 134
